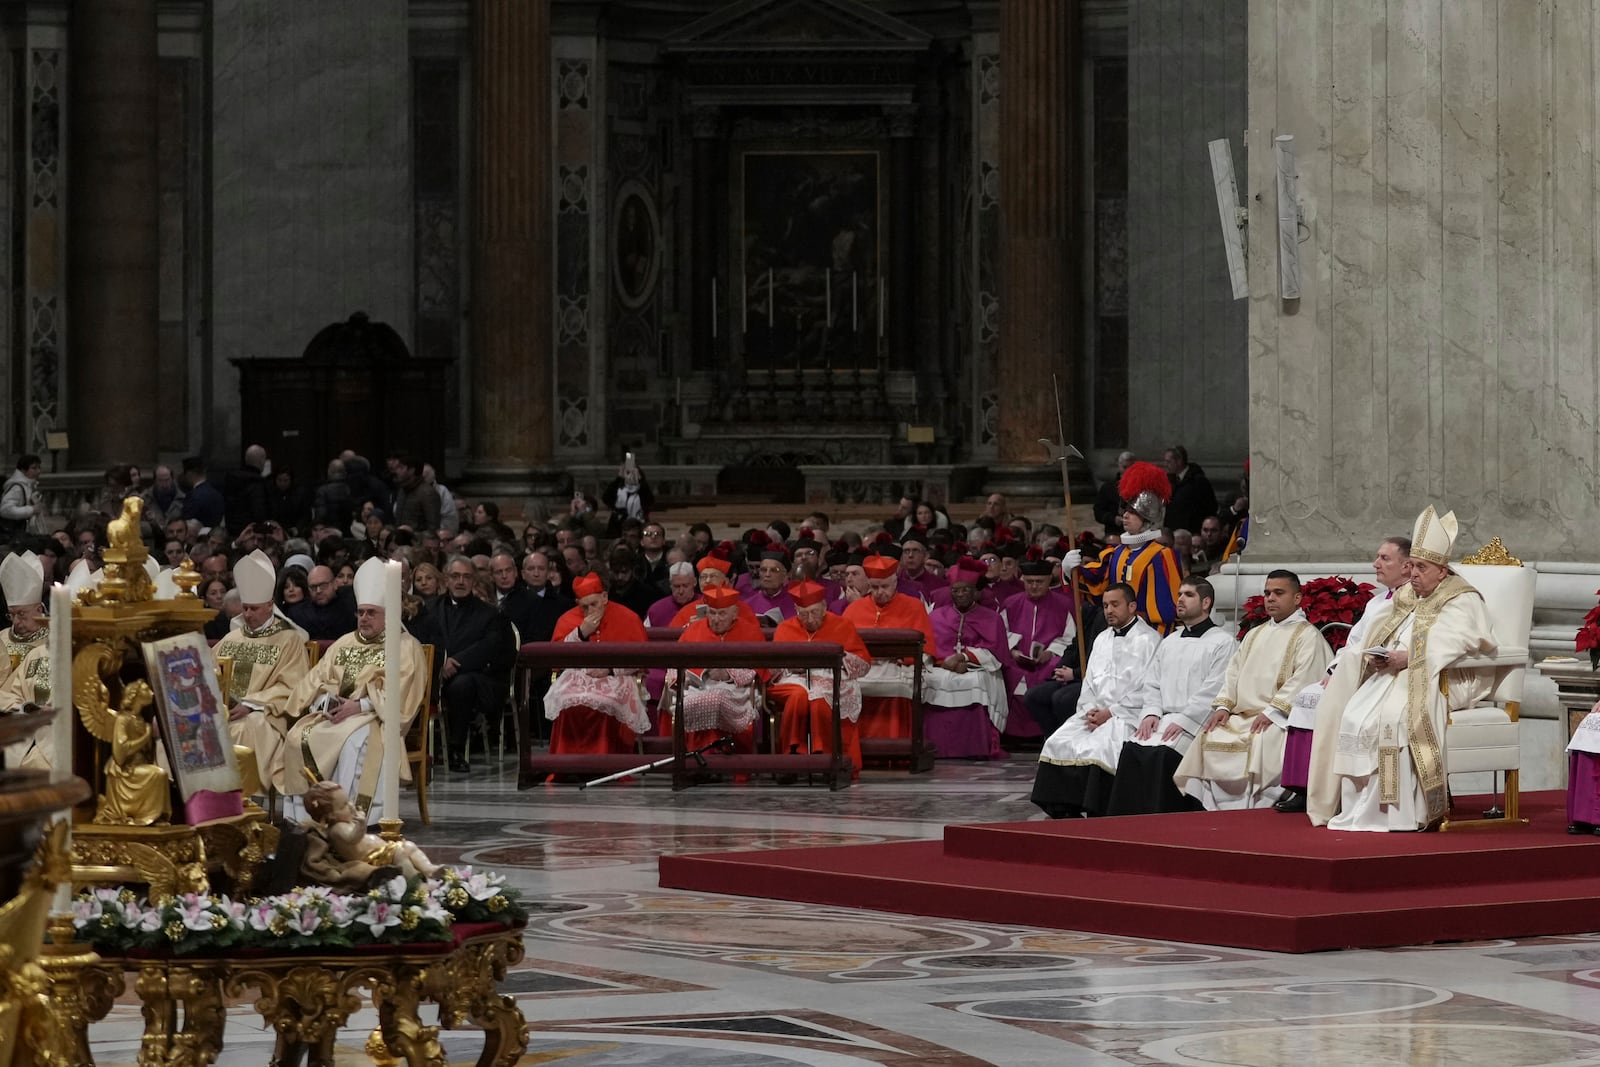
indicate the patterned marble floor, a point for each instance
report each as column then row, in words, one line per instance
column 620, row 972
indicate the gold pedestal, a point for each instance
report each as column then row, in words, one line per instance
column 173, row 860
column 79, row 988
column 307, row 997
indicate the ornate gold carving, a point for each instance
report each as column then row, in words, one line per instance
column 137, row 791
column 187, row 579
column 1493, row 554
column 166, row 878
column 307, row 998
column 125, row 580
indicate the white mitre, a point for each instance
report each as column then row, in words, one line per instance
column 22, row 578
column 369, row 583
column 80, row 577
column 255, row 578
column 1433, row 537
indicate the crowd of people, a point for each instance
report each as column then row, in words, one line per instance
column 1140, row 701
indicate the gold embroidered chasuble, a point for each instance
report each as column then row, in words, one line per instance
column 30, row 681
column 1274, row 662
column 267, row 666
column 13, row 646
column 352, row 668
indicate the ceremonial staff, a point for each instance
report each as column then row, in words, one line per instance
column 1067, row 452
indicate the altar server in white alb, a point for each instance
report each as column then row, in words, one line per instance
column 1078, row 760
column 1238, row 760
column 1179, row 692
column 1377, row 755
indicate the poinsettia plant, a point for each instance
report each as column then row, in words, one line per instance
column 1332, row 605
column 1589, row 635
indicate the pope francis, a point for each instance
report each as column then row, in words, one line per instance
column 1377, row 756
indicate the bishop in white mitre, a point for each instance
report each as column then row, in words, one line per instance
column 1377, row 758
column 270, row 658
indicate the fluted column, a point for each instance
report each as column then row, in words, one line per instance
column 113, row 237
column 513, row 401
column 1038, row 300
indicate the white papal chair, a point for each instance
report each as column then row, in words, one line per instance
column 1486, row 736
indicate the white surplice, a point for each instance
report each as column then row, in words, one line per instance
column 1182, row 683
column 1113, row 679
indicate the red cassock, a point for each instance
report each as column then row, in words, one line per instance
column 804, row 697
column 718, row 707
column 889, row 716
column 596, row 714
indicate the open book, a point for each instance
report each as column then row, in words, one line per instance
column 1035, row 654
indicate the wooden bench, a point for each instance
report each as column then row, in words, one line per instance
column 532, row 766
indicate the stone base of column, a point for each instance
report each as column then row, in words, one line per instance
column 1035, row 480
column 492, row 480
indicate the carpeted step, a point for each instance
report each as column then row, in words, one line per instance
column 920, row 878
column 1270, row 850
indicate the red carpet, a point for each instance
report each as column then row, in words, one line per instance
column 1249, row 879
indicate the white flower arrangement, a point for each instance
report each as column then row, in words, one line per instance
column 396, row 912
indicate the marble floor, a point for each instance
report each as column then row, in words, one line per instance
column 620, row 972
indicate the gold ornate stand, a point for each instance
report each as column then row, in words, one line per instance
column 306, row 999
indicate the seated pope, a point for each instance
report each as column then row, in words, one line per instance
column 339, row 702
column 1378, row 760
column 269, row 661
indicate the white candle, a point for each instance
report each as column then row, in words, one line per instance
column 61, row 727
column 713, row 307
column 852, row 301
column 772, row 302
column 827, row 297
column 391, row 713
column 61, row 681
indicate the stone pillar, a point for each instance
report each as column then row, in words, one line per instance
column 113, row 244
column 1443, row 346
column 513, row 404
column 704, row 350
column 1039, row 331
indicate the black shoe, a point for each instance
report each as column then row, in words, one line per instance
column 460, row 766
column 1291, row 803
column 1582, row 828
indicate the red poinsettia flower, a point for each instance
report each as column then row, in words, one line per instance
column 1332, row 605
column 1588, row 637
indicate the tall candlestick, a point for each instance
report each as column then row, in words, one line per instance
column 827, row 297
column 677, row 391
column 772, row 301
column 713, row 308
column 744, row 301
column 391, row 713
column 60, row 640
column 880, row 307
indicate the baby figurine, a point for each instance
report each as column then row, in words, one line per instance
column 356, row 852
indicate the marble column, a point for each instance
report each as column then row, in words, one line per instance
column 1443, row 346
column 113, row 239
column 1038, row 301
column 513, row 405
